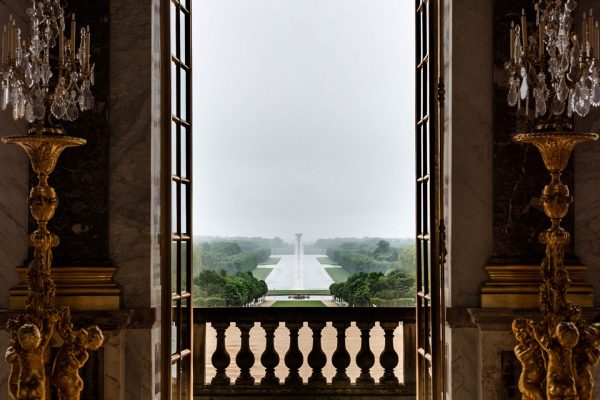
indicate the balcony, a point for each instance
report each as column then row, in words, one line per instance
column 304, row 353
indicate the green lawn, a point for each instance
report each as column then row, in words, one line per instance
column 324, row 292
column 261, row 273
column 326, row 261
column 338, row 274
column 298, row 303
column 271, row 261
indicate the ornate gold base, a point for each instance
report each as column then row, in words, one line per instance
column 518, row 286
column 81, row 288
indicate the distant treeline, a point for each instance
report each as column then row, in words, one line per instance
column 220, row 289
column 367, row 242
column 396, row 289
column 232, row 257
column 369, row 256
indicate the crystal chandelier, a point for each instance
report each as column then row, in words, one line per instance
column 33, row 80
column 552, row 68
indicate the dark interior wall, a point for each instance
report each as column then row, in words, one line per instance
column 519, row 174
column 81, row 176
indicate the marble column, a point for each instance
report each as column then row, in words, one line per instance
column 134, row 173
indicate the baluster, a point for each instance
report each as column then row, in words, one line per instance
column 389, row 358
column 409, row 355
column 220, row 358
column 245, row 358
column 317, row 358
column 365, row 357
column 293, row 357
column 341, row 357
column 270, row 358
column 199, row 354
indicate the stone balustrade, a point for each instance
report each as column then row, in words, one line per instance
column 388, row 386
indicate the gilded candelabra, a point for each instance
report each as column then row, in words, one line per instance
column 28, row 86
column 557, row 353
column 555, row 72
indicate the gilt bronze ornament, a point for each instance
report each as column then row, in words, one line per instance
column 557, row 363
column 43, row 97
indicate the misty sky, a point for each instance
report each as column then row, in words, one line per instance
column 303, row 118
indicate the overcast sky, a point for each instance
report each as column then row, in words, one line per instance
column 303, row 118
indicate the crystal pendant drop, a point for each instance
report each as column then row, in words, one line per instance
column 563, row 90
column 5, row 95
column 524, row 91
column 571, row 105
column 582, row 101
column 29, row 113
column 513, row 94
column 595, row 98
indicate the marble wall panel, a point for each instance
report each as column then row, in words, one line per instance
column 469, row 175
column 14, row 183
column 587, row 198
column 140, row 378
column 130, row 149
column 587, row 203
column 463, row 346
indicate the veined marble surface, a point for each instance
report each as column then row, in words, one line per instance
column 587, row 202
column 469, row 172
column 130, row 149
column 14, row 181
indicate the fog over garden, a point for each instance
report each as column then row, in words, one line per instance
column 301, row 125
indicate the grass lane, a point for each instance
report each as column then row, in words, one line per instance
column 338, row 274
column 261, row 273
column 298, row 303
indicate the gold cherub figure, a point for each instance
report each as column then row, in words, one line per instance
column 12, row 359
column 585, row 356
column 71, row 357
column 31, row 352
column 560, row 377
column 528, row 353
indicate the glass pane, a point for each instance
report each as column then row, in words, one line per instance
column 173, row 29
column 174, row 96
column 174, row 204
column 175, row 380
column 185, row 325
column 183, row 94
column 184, row 150
column 185, row 377
column 174, row 265
column 184, row 266
column 183, row 29
column 174, row 329
column 184, row 208
column 174, row 149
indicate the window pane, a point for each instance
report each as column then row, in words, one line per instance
column 174, row 265
column 173, row 29
column 174, row 328
column 183, row 94
column 184, row 258
column 183, row 20
column 174, row 149
column 184, row 208
column 185, row 377
column 174, row 96
column 185, row 325
column 174, row 204
column 184, row 149
column 175, row 380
